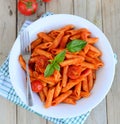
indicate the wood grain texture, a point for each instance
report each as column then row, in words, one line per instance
column 98, row 114
column 80, row 8
column 7, row 22
column 25, row 117
column 111, row 22
column 7, row 112
column 93, row 12
column 56, row 6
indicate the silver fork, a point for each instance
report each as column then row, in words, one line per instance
column 26, row 52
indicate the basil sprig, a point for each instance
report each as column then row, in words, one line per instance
column 76, row 45
column 72, row 46
column 54, row 64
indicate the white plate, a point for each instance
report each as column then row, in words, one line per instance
column 104, row 76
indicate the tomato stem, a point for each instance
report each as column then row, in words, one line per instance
column 27, row 3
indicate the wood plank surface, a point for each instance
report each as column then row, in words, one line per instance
column 111, row 22
column 103, row 13
column 25, row 117
column 56, row 6
column 7, row 112
column 7, row 22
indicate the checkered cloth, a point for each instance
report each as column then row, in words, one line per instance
column 7, row 91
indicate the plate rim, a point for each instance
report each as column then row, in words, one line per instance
column 64, row 15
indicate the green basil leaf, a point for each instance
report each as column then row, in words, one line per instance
column 60, row 57
column 76, row 45
column 56, row 66
column 49, row 70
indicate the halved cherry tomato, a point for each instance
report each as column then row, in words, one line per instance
column 36, row 86
column 46, row 1
column 27, row 7
column 41, row 63
column 74, row 71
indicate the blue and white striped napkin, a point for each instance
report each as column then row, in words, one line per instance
column 8, row 92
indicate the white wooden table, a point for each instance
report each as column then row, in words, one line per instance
column 104, row 13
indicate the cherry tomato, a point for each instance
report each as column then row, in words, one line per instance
column 27, row 7
column 41, row 63
column 46, row 1
column 74, row 71
column 36, row 86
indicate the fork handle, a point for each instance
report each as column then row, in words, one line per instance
column 29, row 90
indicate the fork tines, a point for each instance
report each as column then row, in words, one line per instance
column 25, row 42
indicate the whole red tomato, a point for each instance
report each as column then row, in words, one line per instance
column 36, row 86
column 41, row 63
column 27, row 7
column 74, row 71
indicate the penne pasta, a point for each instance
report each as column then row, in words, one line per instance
column 77, row 31
column 57, row 41
column 42, row 52
column 22, row 62
column 85, row 85
column 45, row 91
column 92, row 54
column 64, row 41
column 62, row 97
column 74, row 37
column 57, row 76
column 85, row 94
column 44, row 45
column 57, row 90
column 36, row 43
column 76, row 98
column 80, row 53
column 42, row 96
column 66, row 28
column 56, row 51
column 69, row 100
column 90, row 81
column 72, row 83
column 77, row 90
column 49, row 98
column 23, row 65
column 95, row 49
column 65, row 76
column 71, row 56
column 85, row 35
column 74, row 61
column 88, row 65
column 45, row 37
column 53, row 34
column 92, row 40
column 48, row 80
column 86, row 49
